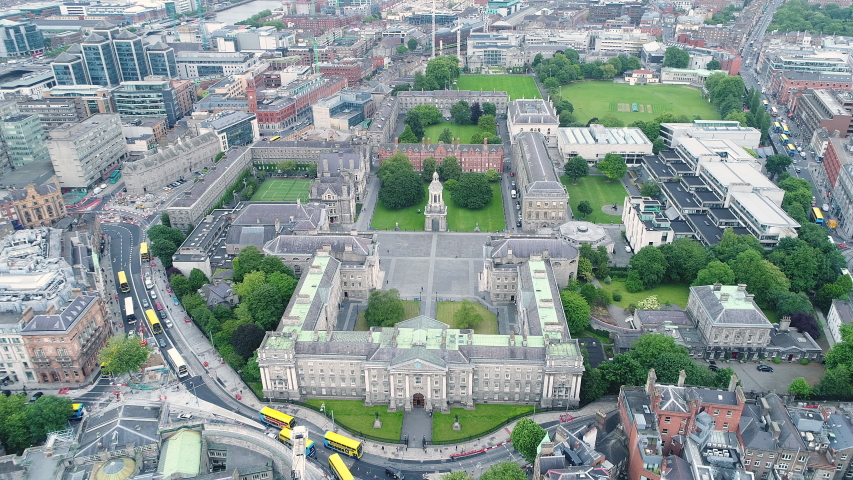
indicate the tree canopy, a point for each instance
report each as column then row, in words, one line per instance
column 576, row 168
column 123, row 355
column 526, row 437
column 504, row 471
column 651, row 266
column 612, row 166
column 450, row 169
column 460, row 112
column 473, row 191
column 384, row 308
column 246, row 339
column 165, row 242
column 675, row 57
column 22, row 425
column 577, row 309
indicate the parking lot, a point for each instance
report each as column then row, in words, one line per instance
column 783, row 374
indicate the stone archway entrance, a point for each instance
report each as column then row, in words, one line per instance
column 418, row 401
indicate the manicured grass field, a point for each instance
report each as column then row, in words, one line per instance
column 673, row 293
column 358, row 418
column 596, row 99
column 465, row 132
column 598, row 192
column 408, row 218
column 488, row 326
column 283, row 190
column 516, row 86
column 411, row 308
column 473, row 422
column 490, row 218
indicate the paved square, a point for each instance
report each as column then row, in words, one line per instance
column 397, row 244
column 461, row 245
column 783, row 374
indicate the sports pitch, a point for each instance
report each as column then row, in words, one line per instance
column 517, row 86
column 597, row 99
column 283, row 190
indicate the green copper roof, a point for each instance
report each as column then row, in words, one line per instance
column 183, row 454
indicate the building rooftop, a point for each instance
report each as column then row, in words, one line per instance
column 763, row 211
column 729, row 304
column 63, row 321
column 193, row 194
column 537, row 164
column 532, row 111
column 597, row 134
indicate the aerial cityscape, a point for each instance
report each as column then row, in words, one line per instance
column 411, row 239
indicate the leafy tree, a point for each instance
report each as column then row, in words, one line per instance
column 252, row 372
column 402, row 190
column 593, row 384
column 246, row 339
column 384, row 308
column 526, row 437
column 251, row 282
column 777, row 164
column 490, row 109
column 713, row 65
column 798, row 261
column 487, row 123
column 473, row 191
column 684, row 258
column 650, row 188
column 408, row 136
column 505, row 471
column 836, row 382
column 461, row 112
column 402, row 49
column 763, row 279
column 651, row 265
column 585, row 270
column 266, row 305
column 634, row 283
column 123, row 355
column 248, row 260
column 272, row 264
column 610, row 121
column 612, row 166
column 551, row 83
column 403, row 87
column 413, row 120
column 800, row 388
column 623, row 370
column 805, row 322
column 476, row 113
column 732, row 244
column 633, row 63
column 650, row 345
column 164, row 219
column 467, row 316
column 14, row 430
column 577, row 311
column 180, row 285
column 197, row 279
column 715, row 272
column 584, row 208
column 450, row 169
column 428, row 167
column 443, row 70
column 458, row 475
column 450, row 185
column 429, row 113
column 492, row 175
column 164, row 249
column 412, row 44
column 738, row 116
column 575, row 168
column 48, row 414
column 192, row 301
column 446, row 136
column 829, row 292
column 285, row 284
column 668, row 366
column 676, row 58
column 424, row 83
column 790, row 302
column 658, row 145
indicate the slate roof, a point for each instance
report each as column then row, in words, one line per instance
column 65, row 57
column 291, row 216
column 257, row 235
column 94, row 38
column 537, row 164
column 179, row 149
column 659, row 317
column 844, row 309
column 103, row 25
column 758, row 437
column 75, row 49
column 308, row 244
column 737, row 310
column 531, row 111
column 525, row 247
column 118, row 426
column 334, row 162
column 125, row 35
column 216, row 294
column 159, row 47
column 45, row 188
column 678, row 468
column 63, row 321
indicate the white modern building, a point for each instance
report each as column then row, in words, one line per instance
column 645, row 223
column 595, row 141
column 82, row 153
column 840, row 313
column 746, row 137
column 213, row 64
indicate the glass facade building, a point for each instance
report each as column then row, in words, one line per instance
column 101, row 61
column 130, row 53
column 69, row 70
column 161, row 59
column 19, row 39
column 147, row 99
column 25, row 139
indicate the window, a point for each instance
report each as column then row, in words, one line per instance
column 665, row 431
column 716, row 412
column 788, row 456
column 729, row 414
column 747, row 462
column 768, row 464
column 726, row 425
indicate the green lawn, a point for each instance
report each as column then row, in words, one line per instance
column 673, row 293
column 411, row 309
column 598, row 192
column 358, row 418
column 490, row 218
column 257, row 389
column 597, row 99
column 517, row 86
column 473, row 422
column 465, row 132
column 488, row 326
column 283, row 190
column 408, row 218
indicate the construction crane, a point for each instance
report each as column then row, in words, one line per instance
column 316, row 57
column 201, row 27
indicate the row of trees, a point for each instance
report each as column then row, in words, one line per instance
column 565, row 67
column 800, row 16
column 729, row 95
column 164, row 241
column 440, row 73
column 23, row 425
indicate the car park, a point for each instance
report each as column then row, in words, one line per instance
column 764, row 368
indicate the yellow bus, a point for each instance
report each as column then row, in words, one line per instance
column 277, row 137
column 151, row 315
column 276, row 418
column 817, row 216
column 143, row 251
column 122, row 282
column 77, row 411
column 339, row 468
column 104, row 372
column 284, row 437
column 342, row 444
column 785, row 139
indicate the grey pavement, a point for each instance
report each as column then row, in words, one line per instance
column 368, row 206
column 417, row 427
column 777, row 381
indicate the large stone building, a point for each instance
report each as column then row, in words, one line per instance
column 84, row 153
column 544, row 200
column 729, row 320
column 39, row 205
column 64, row 345
column 340, row 185
column 471, row 157
column 507, row 254
column 446, row 99
column 154, row 172
column 534, row 115
column 421, row 363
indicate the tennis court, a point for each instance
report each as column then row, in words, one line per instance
column 283, row 190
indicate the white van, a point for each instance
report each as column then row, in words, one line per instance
column 513, row 194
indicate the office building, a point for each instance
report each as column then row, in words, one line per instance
column 746, row 137
column 94, row 98
column 69, row 69
column 83, row 153
column 25, row 139
column 544, row 200
column 30, row 85
column 162, row 61
column 130, row 53
column 827, row 109
column 645, row 223
column 64, row 345
column 149, row 98
column 233, row 128
column 101, row 61
column 343, row 111
column 194, row 65
column 53, row 112
column 20, row 39
column 594, row 142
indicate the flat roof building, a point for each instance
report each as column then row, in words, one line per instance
column 746, row 137
column 594, row 142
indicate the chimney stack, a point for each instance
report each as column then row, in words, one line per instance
column 651, row 379
column 682, row 376
column 784, row 323
column 733, row 382
column 717, row 287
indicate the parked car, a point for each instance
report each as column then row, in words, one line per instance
column 153, row 294
column 185, row 416
column 36, row 396
column 764, row 368
column 175, row 299
column 162, row 343
column 713, row 368
column 392, row 472
column 518, row 223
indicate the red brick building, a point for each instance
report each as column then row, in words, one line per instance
column 353, row 70
column 277, row 114
column 786, row 83
column 64, row 345
column 835, row 157
column 472, row 158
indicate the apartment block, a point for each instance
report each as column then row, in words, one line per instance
column 83, row 153
column 24, row 139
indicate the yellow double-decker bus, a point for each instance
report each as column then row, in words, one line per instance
column 785, row 139
column 339, row 468
column 277, row 419
column 277, row 137
column 151, row 315
column 143, row 251
column 122, row 282
column 343, row 444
